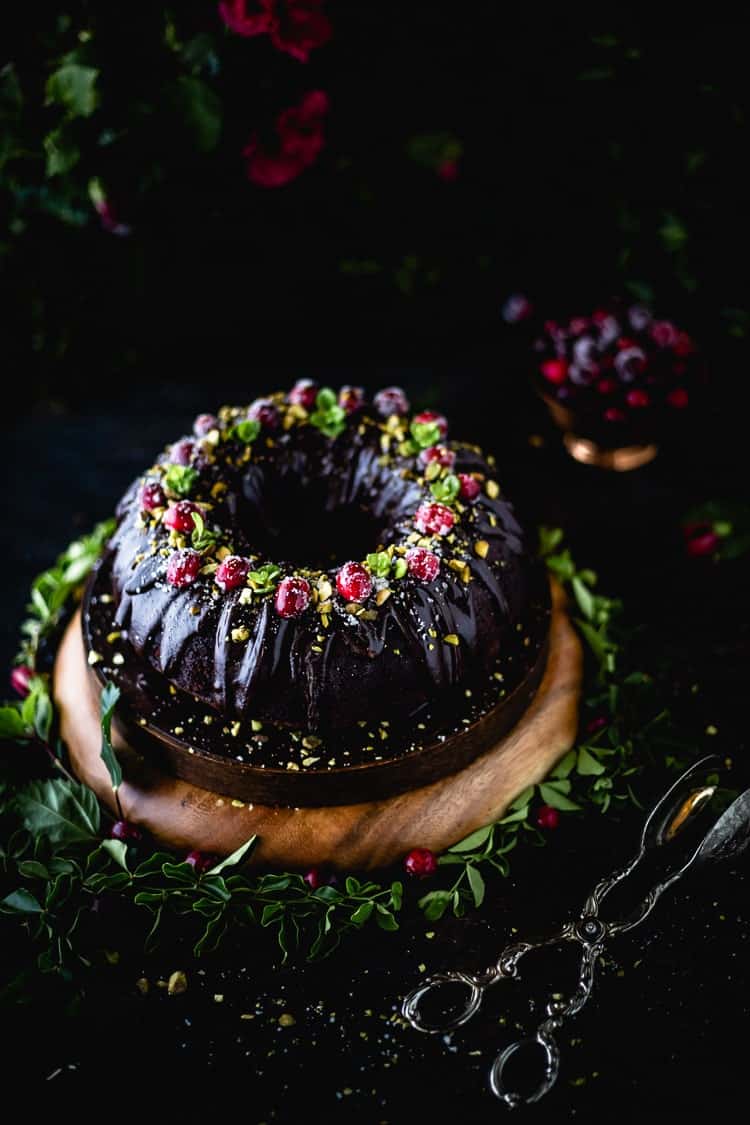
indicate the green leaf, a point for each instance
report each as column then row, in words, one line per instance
column 476, row 882
column 583, row 596
column 182, row 873
column 212, row 935
column 447, row 489
column 180, row 479
column 74, row 87
column 61, row 152
column 549, row 539
column 247, row 431
column 379, row 564
column 21, row 902
column 435, row 904
column 325, row 399
column 110, row 696
column 587, row 763
column 329, row 418
column 118, row 849
column 263, row 580
column 385, row 919
column 362, row 913
column 200, row 111
column 234, row 859
column 400, row 568
column 565, row 766
column 271, row 912
column 32, row 869
column 475, row 840
column 64, row 812
column 425, row 434
column 12, row 724
column 556, row 799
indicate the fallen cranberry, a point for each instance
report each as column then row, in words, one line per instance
column 265, row 412
column 183, row 567
column 354, row 582
column 470, row 487
column 606, row 386
column 182, row 452
column 554, row 371
column 431, row 418
column 123, row 830
column 683, row 345
column 152, row 496
column 179, row 516
column 701, row 545
column 314, row 878
column 20, row 679
column 612, row 414
column 678, row 398
column 423, row 564
column 204, row 423
column 440, row 453
column 351, row 398
column 664, row 333
column 599, row 723
column 199, row 861
column 638, row 398
column 447, row 170
column 420, row 863
column 292, row 597
column 547, row 817
column 578, row 325
column 303, row 393
column 231, row 572
column 391, row 400
column 436, row 519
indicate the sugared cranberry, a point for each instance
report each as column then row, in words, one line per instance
column 554, row 371
column 598, row 723
column 313, row 878
column 354, row 582
column 612, row 414
column 638, row 398
column 292, row 597
column 698, row 546
column 678, row 398
column 606, row 386
column 351, row 398
column 391, row 400
column 265, row 412
column 440, row 453
column 303, row 393
column 199, row 861
column 664, row 333
column 231, row 572
column 516, row 308
column 423, row 564
column 123, row 830
column 420, row 863
column 432, row 418
column 578, row 325
column 204, row 423
column 182, row 452
column 547, row 817
column 470, row 487
column 183, row 567
column 20, row 678
column 179, row 516
column 433, row 518
column 152, row 496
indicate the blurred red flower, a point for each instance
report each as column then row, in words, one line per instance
column 300, row 132
column 295, row 26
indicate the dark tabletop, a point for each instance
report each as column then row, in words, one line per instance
column 659, row 1035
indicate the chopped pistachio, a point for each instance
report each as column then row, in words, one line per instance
column 383, row 595
column 94, row 657
column 112, row 637
column 493, row 489
column 235, row 728
column 256, row 725
column 118, row 659
column 242, row 633
column 481, row 548
column 451, row 639
column 311, row 742
column 177, row 983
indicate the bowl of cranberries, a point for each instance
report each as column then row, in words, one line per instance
column 614, row 382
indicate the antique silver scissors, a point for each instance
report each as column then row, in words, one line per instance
column 689, row 825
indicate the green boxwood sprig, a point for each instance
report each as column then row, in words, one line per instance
column 180, row 480
column 328, row 416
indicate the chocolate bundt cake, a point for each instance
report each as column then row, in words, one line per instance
column 318, row 563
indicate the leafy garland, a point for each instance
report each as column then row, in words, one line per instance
column 54, row 863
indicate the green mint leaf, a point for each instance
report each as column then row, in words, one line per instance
column 325, row 399
column 474, row 841
column 247, row 431
column 362, row 913
column 447, row 489
column 379, row 564
column 263, row 580
column 583, row 596
column 73, row 87
column 234, row 859
column 476, row 882
column 587, row 765
column 425, row 434
column 180, row 479
column 110, row 696
column 556, row 799
column 400, row 568
column 435, row 904
column 331, row 422
column 549, row 539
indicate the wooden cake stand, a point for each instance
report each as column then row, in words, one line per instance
column 352, row 837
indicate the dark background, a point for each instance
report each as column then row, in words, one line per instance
column 591, row 165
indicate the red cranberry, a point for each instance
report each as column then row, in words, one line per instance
column 555, row 371
column 264, row 411
column 430, row 417
column 434, row 518
column 606, row 386
column 423, row 564
column 183, row 567
column 354, row 582
column 123, row 830
column 351, row 398
column 314, row 878
column 599, row 723
column 516, row 308
column 199, row 861
column 701, row 545
column 182, row 452
column 664, row 333
column 578, row 325
column 303, row 393
column 421, row 863
column 440, row 453
column 447, row 170
column 179, row 516
column 152, row 496
column 470, row 487
column 204, row 423
column 391, row 400
column 626, row 342
column 683, row 346
column 638, row 398
column 20, row 679
column 612, row 414
column 547, row 817
column 292, row 597
column 678, row 398
column 231, row 572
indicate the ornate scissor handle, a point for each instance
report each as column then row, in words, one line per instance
column 413, row 1010
column 543, row 1040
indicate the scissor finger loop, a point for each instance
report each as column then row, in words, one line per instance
column 543, row 1041
column 413, row 1006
